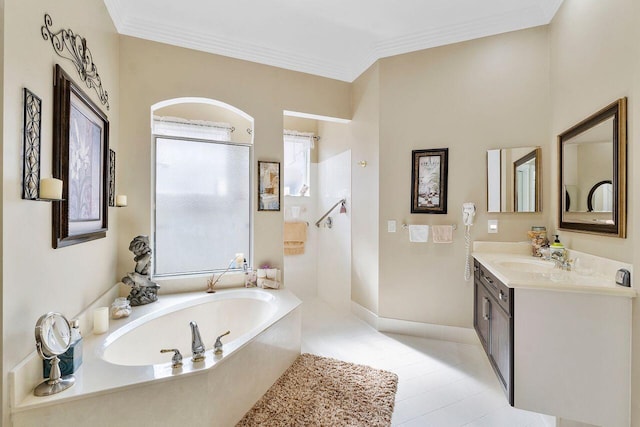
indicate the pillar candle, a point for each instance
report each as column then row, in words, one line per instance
column 239, row 260
column 100, row 320
column 121, row 200
column 50, row 188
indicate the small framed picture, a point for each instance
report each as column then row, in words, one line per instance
column 268, row 186
column 429, row 181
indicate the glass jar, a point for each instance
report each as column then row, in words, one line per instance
column 120, row 308
column 538, row 236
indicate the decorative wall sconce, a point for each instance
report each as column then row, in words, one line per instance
column 50, row 189
column 31, row 145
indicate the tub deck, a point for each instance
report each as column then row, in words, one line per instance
column 249, row 365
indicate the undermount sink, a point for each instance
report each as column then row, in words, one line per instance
column 527, row 265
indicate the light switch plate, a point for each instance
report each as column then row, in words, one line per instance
column 391, row 226
column 492, row 226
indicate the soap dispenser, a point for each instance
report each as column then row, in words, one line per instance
column 557, row 249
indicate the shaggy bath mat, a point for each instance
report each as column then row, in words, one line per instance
column 318, row 391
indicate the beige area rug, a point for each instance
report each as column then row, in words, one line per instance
column 318, row 391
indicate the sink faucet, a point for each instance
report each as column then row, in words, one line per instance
column 561, row 260
column 197, row 348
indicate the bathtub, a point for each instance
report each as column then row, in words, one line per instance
column 125, row 380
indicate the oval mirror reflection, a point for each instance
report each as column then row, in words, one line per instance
column 600, row 197
column 53, row 334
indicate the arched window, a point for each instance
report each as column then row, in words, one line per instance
column 202, row 187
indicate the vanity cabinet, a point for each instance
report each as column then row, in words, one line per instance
column 559, row 342
column 493, row 322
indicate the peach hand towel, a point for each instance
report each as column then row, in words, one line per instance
column 295, row 234
column 442, row 233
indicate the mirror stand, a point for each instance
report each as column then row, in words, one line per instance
column 53, row 338
column 56, row 383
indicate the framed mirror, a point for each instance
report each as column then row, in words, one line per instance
column 592, row 173
column 513, row 179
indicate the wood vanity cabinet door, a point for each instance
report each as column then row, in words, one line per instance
column 482, row 314
column 500, row 347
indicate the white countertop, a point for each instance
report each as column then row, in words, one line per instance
column 512, row 266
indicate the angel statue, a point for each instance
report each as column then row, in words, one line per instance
column 143, row 289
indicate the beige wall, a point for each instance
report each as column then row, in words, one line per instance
column 36, row 278
column 365, row 189
column 153, row 72
column 595, row 60
column 469, row 97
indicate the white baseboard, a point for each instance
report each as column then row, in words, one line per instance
column 419, row 329
column 365, row 314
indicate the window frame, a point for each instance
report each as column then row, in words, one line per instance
column 249, row 256
column 308, row 163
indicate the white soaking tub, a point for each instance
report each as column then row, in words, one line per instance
column 125, row 380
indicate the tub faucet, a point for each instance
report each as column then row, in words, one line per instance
column 197, row 348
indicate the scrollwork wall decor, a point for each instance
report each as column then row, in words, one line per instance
column 73, row 47
column 31, row 153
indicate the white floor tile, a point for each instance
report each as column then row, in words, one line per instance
column 440, row 383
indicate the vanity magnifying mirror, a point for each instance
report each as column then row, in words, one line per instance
column 592, row 166
column 53, row 338
column 513, row 179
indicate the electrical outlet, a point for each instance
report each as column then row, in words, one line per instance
column 492, row 226
column 391, row 226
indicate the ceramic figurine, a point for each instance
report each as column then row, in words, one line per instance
column 143, row 289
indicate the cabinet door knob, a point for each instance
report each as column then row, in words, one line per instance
column 502, row 296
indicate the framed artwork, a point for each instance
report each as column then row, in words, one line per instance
column 31, row 145
column 429, row 181
column 268, row 186
column 81, row 160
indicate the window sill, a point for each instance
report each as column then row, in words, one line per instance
column 197, row 282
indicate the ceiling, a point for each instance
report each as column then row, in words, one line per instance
column 332, row 38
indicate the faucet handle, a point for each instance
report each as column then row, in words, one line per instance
column 176, row 360
column 217, row 347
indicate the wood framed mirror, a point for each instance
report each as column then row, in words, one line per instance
column 513, row 179
column 590, row 153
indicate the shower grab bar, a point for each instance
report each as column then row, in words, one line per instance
column 329, row 211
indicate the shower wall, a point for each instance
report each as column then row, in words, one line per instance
column 301, row 271
column 334, row 244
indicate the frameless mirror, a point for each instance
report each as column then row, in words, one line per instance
column 592, row 161
column 53, row 337
column 513, row 179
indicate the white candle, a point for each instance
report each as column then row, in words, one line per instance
column 121, row 200
column 100, row 320
column 51, row 188
column 239, row 260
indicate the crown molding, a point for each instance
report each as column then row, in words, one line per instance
column 116, row 9
column 477, row 28
column 361, row 57
column 178, row 36
column 550, row 8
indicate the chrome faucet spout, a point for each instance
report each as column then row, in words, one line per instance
column 197, row 348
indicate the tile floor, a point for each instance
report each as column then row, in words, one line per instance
column 440, row 383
